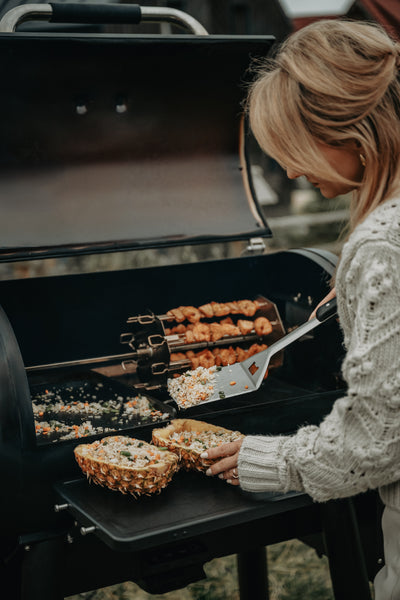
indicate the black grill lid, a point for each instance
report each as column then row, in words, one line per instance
column 115, row 142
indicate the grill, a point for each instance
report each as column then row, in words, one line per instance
column 115, row 143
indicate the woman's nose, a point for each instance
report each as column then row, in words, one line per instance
column 292, row 174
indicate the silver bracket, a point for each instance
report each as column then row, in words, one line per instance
column 159, row 368
column 87, row 530
column 126, row 338
column 255, row 246
column 155, row 341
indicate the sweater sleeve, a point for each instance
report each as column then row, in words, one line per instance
column 357, row 446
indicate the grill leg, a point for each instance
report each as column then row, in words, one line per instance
column 40, row 575
column 344, row 550
column 253, row 574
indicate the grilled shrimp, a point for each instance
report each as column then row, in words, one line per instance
column 176, row 314
column 216, row 331
column 233, row 308
column 228, row 356
column 206, row 359
column 206, row 310
column 245, row 327
column 219, row 309
column 201, row 332
column 262, row 326
column 230, row 329
column 189, row 336
column 247, row 307
column 192, row 314
column 240, row 354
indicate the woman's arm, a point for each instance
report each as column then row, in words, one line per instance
column 357, row 446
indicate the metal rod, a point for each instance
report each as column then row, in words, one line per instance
column 135, row 355
column 172, row 15
column 19, row 14
column 82, row 362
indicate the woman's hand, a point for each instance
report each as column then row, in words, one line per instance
column 332, row 294
column 226, row 468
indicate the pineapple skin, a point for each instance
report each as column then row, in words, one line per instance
column 190, row 459
column 127, row 480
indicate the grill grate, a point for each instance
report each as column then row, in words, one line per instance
column 74, row 405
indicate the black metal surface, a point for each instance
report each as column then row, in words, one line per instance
column 192, row 504
column 116, row 142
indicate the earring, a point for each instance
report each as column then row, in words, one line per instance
column 362, row 159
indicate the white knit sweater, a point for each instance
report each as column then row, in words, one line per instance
column 357, row 446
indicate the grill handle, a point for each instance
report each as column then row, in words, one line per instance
column 98, row 14
column 95, row 13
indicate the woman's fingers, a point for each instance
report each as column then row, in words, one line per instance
column 226, row 468
column 223, row 465
column 230, row 476
column 224, row 450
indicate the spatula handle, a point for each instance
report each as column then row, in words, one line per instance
column 327, row 310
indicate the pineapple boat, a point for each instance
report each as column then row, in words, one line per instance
column 127, row 465
column 188, row 438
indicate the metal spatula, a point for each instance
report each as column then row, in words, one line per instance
column 247, row 376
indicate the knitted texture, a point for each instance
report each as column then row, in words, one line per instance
column 357, row 446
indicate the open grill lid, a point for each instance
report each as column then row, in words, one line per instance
column 115, row 142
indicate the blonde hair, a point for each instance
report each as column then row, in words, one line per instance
column 333, row 82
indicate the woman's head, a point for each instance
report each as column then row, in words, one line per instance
column 333, row 84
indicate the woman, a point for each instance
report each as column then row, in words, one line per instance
column 328, row 108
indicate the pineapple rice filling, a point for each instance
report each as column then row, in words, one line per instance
column 54, row 418
column 193, row 387
column 199, row 441
column 126, row 452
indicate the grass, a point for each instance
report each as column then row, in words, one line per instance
column 295, row 573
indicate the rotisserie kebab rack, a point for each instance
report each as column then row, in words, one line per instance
column 247, row 376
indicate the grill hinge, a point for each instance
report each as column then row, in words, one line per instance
column 255, row 246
